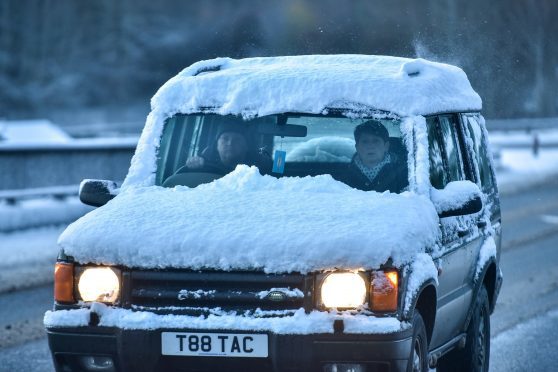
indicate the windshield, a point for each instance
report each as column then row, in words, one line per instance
column 366, row 154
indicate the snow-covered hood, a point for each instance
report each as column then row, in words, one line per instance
column 248, row 221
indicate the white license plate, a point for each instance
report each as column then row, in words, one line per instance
column 214, row 344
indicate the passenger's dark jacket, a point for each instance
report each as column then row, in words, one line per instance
column 393, row 176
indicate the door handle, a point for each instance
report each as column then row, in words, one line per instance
column 462, row 233
column 481, row 224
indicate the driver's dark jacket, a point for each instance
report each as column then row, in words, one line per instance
column 392, row 177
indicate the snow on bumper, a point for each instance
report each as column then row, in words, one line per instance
column 298, row 323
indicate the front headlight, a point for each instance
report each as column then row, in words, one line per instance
column 99, row 284
column 343, row 290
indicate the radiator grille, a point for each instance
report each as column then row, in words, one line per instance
column 189, row 292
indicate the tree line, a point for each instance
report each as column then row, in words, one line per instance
column 67, row 54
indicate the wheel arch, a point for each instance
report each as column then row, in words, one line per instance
column 424, row 301
column 489, row 280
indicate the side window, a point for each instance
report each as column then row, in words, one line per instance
column 438, row 177
column 178, row 131
column 448, row 129
column 480, row 155
column 444, row 151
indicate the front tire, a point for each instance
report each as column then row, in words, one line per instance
column 418, row 360
column 475, row 356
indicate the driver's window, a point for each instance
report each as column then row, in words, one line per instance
column 179, row 132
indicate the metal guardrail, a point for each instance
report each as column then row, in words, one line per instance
column 36, row 208
column 11, row 197
column 523, row 124
column 43, row 165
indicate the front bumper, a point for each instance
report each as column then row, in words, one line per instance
column 140, row 350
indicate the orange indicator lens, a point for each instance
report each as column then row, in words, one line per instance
column 384, row 291
column 64, row 282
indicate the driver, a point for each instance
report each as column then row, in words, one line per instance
column 230, row 148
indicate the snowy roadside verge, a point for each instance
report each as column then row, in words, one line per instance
column 29, row 231
column 40, row 212
column 28, row 257
column 520, row 169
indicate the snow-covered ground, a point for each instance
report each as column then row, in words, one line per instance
column 39, row 212
column 518, row 167
column 28, row 254
column 28, row 257
column 28, row 234
column 545, row 137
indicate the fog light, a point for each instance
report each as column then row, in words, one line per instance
column 344, row 367
column 97, row 363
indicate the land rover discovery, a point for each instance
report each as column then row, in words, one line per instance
column 307, row 213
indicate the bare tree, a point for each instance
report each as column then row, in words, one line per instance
column 66, row 53
column 535, row 46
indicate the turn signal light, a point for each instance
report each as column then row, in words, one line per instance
column 384, row 291
column 64, row 282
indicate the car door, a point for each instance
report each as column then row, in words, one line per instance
column 483, row 170
column 460, row 238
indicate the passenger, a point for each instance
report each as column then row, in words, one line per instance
column 231, row 148
column 373, row 166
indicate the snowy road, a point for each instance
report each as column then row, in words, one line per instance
column 523, row 326
column 525, row 322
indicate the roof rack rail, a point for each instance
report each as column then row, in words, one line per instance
column 207, row 69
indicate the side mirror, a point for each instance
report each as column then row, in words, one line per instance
column 97, row 192
column 458, row 198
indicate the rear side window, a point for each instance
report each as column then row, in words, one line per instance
column 448, row 129
column 438, row 177
column 444, row 151
column 479, row 153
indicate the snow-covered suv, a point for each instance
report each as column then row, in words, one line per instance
column 308, row 213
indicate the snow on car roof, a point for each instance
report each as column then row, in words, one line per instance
column 311, row 84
